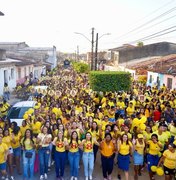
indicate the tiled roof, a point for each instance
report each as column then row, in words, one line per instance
column 164, row 65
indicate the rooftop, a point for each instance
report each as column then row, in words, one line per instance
column 163, row 65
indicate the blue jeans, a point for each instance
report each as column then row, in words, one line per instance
column 44, row 154
column 28, row 165
column 74, row 163
column 88, row 161
column 59, row 158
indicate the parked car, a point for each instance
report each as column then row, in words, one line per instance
column 17, row 111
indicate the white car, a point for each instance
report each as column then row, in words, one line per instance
column 17, row 111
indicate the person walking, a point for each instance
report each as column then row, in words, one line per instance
column 88, row 155
column 138, row 155
column 108, row 149
column 3, row 158
column 28, row 146
column 74, row 155
column 168, row 160
column 44, row 139
column 124, row 150
column 6, row 92
column 60, row 155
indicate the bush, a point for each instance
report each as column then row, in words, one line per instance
column 80, row 67
column 107, row 81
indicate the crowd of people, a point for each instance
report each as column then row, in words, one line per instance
column 71, row 123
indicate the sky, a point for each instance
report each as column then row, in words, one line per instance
column 44, row 23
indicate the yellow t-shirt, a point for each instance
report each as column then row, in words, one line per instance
column 121, row 104
column 172, row 130
column 163, row 138
column 140, row 147
column 17, row 141
column 147, row 135
column 124, row 149
column 170, row 159
column 3, row 150
column 60, row 145
column 36, row 127
column 27, row 143
column 7, row 141
column 130, row 111
column 88, row 146
column 154, row 148
column 74, row 146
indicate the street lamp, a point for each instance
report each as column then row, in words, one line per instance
column 93, row 64
column 1, row 14
column 92, row 42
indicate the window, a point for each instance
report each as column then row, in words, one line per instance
column 169, row 83
column 12, row 73
column 150, row 79
column 17, row 112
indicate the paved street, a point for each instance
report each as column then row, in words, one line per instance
column 97, row 175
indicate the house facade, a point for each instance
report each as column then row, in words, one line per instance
column 158, row 79
column 7, row 72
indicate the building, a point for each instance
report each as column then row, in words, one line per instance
column 7, row 72
column 46, row 54
column 127, row 53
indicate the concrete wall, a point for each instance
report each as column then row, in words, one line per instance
column 157, row 49
column 22, row 72
column 2, row 54
column 11, row 77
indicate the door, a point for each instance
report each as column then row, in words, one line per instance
column 169, row 83
column 5, row 76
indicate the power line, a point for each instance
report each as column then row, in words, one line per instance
column 154, row 35
column 143, row 29
column 150, row 21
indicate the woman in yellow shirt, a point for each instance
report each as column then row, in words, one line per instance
column 88, row 155
column 3, row 158
column 73, row 155
column 15, row 142
column 28, row 144
column 60, row 154
column 169, row 162
column 7, row 140
column 96, row 133
column 152, row 156
column 138, row 154
column 108, row 149
column 124, row 150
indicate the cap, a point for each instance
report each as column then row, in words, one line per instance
column 140, row 136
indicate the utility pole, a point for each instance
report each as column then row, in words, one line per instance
column 77, row 53
column 92, row 56
column 96, row 52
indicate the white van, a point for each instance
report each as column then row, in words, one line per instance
column 17, row 111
